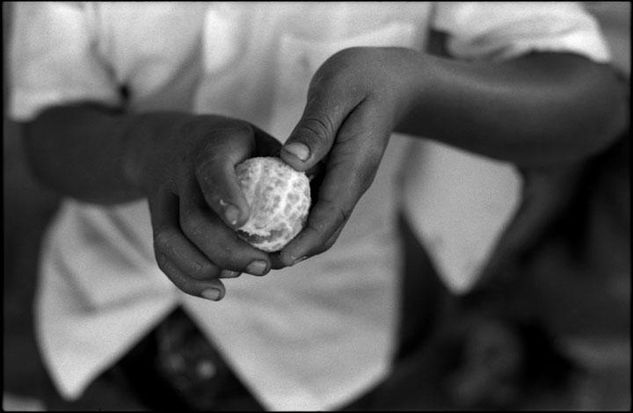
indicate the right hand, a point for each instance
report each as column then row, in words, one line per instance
column 187, row 173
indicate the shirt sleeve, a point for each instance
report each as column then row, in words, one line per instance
column 503, row 30
column 53, row 59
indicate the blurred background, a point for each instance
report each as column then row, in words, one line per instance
column 28, row 208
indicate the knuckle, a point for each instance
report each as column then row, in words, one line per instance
column 333, row 71
column 343, row 58
column 317, row 129
column 184, row 286
column 324, row 75
column 350, row 52
column 163, row 240
column 191, row 224
column 170, row 271
column 228, row 257
column 364, row 178
column 205, row 164
column 338, row 213
column 162, row 261
column 321, row 248
column 240, row 127
column 204, row 270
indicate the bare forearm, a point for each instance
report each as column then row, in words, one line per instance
column 535, row 110
column 84, row 151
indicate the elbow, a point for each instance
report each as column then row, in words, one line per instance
column 601, row 116
column 614, row 124
column 584, row 112
column 605, row 113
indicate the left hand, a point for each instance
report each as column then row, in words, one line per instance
column 355, row 100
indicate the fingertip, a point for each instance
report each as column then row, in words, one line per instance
column 258, row 267
column 297, row 150
column 213, row 294
column 214, row 291
column 229, row 274
column 221, row 192
column 289, row 155
column 234, row 216
column 289, row 258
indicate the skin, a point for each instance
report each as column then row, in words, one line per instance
column 536, row 111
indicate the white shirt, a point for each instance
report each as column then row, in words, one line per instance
column 319, row 334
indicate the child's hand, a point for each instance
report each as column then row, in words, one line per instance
column 194, row 199
column 354, row 102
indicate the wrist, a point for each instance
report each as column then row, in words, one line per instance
column 430, row 91
column 417, row 76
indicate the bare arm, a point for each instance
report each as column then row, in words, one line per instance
column 537, row 110
column 182, row 164
column 84, row 150
column 534, row 110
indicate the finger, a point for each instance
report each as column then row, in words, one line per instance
column 330, row 241
column 215, row 172
column 324, row 221
column 185, row 266
column 212, row 290
column 351, row 167
column 219, row 243
column 278, row 263
column 215, row 169
column 172, row 243
column 229, row 274
column 314, row 135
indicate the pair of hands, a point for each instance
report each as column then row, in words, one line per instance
column 354, row 101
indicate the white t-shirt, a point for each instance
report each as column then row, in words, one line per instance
column 310, row 337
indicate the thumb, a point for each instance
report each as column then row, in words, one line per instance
column 315, row 132
column 215, row 172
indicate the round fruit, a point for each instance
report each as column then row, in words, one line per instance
column 279, row 200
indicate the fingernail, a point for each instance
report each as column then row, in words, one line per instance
column 211, row 294
column 232, row 214
column 257, row 267
column 299, row 150
column 229, row 274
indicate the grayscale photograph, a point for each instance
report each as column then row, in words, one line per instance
column 316, row 206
